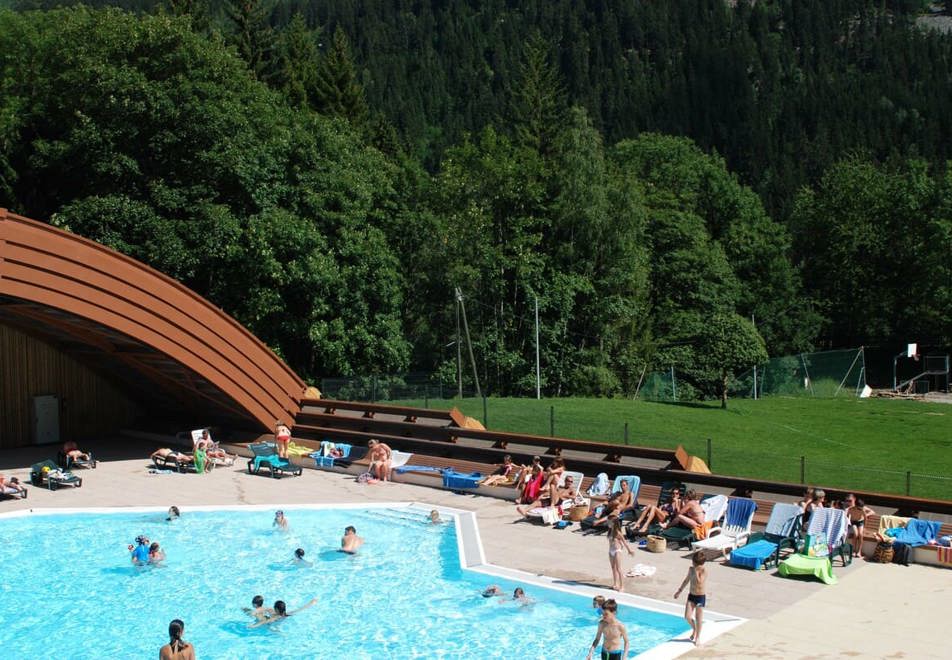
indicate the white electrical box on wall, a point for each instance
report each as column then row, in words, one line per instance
column 46, row 419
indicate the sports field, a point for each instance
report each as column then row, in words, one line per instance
column 867, row 444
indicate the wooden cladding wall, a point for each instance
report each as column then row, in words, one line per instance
column 90, row 405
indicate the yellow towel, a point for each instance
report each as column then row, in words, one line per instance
column 297, row 450
column 888, row 522
column 702, row 530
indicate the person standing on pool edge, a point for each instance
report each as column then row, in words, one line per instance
column 615, row 645
column 177, row 648
column 697, row 598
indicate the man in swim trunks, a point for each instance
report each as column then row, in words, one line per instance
column 697, row 598
column 617, row 504
column 350, row 542
column 615, row 645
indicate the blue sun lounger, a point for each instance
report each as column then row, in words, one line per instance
column 266, row 454
column 764, row 548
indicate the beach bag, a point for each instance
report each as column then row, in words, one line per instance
column 816, row 546
column 656, row 544
column 883, row 553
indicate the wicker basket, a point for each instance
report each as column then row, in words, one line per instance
column 578, row 513
column 656, row 544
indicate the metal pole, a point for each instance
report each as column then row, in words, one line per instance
column 753, row 323
column 459, row 351
column 803, row 470
column 426, row 396
column 485, row 416
column 708, row 453
column 469, row 342
column 674, row 387
column 552, row 421
column 626, row 433
column 373, row 392
column 908, row 482
column 538, row 364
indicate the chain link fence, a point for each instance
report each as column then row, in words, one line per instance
column 824, row 374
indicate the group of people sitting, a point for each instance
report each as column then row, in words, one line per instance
column 205, row 453
column 856, row 512
column 542, row 487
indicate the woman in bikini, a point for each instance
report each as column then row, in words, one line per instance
column 617, row 542
column 282, row 438
column 502, row 475
column 659, row 514
column 857, row 511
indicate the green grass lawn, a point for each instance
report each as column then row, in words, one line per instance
column 866, row 444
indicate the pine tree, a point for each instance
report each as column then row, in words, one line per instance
column 299, row 60
column 252, row 33
column 338, row 92
column 538, row 100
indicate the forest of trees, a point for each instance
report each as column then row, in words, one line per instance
column 654, row 174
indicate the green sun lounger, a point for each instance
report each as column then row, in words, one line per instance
column 266, row 454
column 819, row 567
column 47, row 473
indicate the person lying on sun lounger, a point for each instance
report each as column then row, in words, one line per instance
column 502, row 475
column 554, row 497
column 12, row 486
column 659, row 514
column 619, row 502
column 171, row 454
column 72, row 450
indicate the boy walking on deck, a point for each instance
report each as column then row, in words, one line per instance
column 697, row 598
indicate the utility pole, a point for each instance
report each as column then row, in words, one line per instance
column 753, row 323
column 538, row 367
column 469, row 343
column 459, row 351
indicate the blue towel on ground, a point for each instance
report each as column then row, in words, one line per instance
column 753, row 555
column 917, row 532
column 415, row 468
column 739, row 511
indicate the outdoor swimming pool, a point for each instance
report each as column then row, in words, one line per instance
column 69, row 590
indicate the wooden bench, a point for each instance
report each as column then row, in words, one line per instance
column 410, row 414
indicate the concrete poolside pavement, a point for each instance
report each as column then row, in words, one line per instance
column 875, row 611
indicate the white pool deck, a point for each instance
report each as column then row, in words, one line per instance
column 876, row 611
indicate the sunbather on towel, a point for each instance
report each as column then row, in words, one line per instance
column 281, row 612
column 690, row 514
column 350, row 542
column 501, row 475
column 554, row 497
column 177, row 456
column 12, row 486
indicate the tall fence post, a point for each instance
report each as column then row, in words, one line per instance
column 626, row 433
column 485, row 415
column 803, row 470
column 426, row 396
column 709, row 454
column 908, row 482
column 373, row 391
column 552, row 421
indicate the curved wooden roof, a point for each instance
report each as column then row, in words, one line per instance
column 144, row 328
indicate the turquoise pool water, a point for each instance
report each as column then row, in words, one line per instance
column 68, row 590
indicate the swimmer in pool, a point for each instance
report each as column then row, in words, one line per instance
column 492, row 590
column 435, row 517
column 520, row 597
column 350, row 542
column 299, row 559
column 258, row 610
column 280, row 521
column 173, row 514
column 156, row 554
column 280, row 612
column 140, row 551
